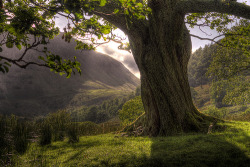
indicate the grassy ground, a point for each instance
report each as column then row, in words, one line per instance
column 228, row 146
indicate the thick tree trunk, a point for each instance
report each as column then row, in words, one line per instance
column 161, row 47
column 162, row 55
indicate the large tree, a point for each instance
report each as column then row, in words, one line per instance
column 158, row 38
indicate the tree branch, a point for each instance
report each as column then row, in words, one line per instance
column 34, row 44
column 118, row 20
column 219, row 6
column 208, row 39
column 22, row 63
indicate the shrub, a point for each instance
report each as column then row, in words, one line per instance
column 131, row 110
column 243, row 108
column 215, row 112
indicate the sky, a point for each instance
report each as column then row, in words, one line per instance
column 127, row 59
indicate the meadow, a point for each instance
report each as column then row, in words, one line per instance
column 227, row 146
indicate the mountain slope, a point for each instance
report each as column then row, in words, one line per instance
column 36, row 90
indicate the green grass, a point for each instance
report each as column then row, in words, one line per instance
column 228, row 146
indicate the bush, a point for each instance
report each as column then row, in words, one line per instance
column 243, row 108
column 215, row 112
column 131, row 110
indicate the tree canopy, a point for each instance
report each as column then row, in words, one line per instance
column 29, row 23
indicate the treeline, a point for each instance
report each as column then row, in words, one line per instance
column 104, row 112
column 199, row 64
column 224, row 70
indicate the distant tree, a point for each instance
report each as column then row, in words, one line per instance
column 158, row 38
column 92, row 114
column 138, row 91
column 102, row 117
column 199, row 64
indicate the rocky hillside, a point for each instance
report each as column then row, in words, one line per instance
column 36, row 90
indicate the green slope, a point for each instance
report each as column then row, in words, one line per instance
column 37, row 91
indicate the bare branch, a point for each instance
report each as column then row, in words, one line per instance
column 209, row 39
column 34, row 44
column 204, row 31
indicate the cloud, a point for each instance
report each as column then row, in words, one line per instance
column 130, row 63
column 124, row 57
column 109, row 51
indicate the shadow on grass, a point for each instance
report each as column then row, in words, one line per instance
column 229, row 148
column 191, row 151
column 75, row 156
column 203, row 150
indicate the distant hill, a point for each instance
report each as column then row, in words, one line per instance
column 37, row 91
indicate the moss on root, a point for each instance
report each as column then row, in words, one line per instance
column 199, row 122
column 194, row 122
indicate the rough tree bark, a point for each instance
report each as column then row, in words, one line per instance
column 161, row 47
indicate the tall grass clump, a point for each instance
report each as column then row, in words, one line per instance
column 45, row 134
column 59, row 122
column 20, row 137
column 18, row 134
column 4, row 145
column 14, row 138
column 73, row 133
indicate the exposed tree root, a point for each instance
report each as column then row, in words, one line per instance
column 137, row 128
column 198, row 122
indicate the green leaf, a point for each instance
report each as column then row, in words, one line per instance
column 1, row 69
column 116, row 11
column 61, row 73
column 9, row 45
column 103, row 2
column 6, row 63
column 41, row 58
column 1, row 49
column 140, row 5
column 6, row 68
column 19, row 46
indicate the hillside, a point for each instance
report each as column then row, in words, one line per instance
column 36, row 90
